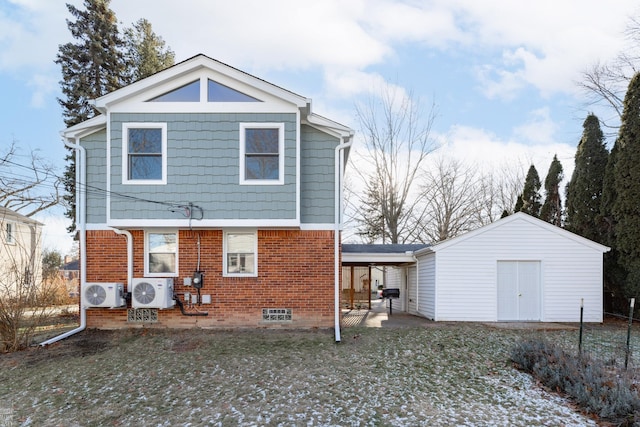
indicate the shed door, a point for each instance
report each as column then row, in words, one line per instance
column 519, row 290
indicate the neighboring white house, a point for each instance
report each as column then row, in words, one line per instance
column 518, row 268
column 20, row 250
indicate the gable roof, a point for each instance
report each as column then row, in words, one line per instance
column 518, row 216
column 190, row 65
column 181, row 70
column 8, row 214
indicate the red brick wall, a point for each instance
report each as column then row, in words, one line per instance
column 295, row 270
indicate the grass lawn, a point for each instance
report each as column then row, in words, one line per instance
column 441, row 375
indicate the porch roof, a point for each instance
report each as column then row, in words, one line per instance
column 379, row 254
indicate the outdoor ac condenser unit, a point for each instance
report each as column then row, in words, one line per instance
column 103, row 295
column 152, row 292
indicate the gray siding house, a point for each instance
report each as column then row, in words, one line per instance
column 218, row 185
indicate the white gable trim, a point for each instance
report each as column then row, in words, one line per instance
column 189, row 70
column 518, row 216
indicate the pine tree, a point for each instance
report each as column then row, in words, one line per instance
column 529, row 200
column 552, row 207
column 626, row 209
column 91, row 67
column 584, row 190
column 146, row 53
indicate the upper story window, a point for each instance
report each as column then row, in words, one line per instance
column 187, row 93
column 217, row 92
column 240, row 253
column 161, row 253
column 144, row 153
column 10, row 233
column 261, row 153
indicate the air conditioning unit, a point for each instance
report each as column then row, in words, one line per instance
column 103, row 295
column 152, row 292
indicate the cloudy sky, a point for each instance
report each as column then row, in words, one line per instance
column 501, row 72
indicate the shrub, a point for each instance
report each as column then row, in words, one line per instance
column 609, row 394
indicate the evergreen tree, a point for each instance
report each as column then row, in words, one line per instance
column 584, row 190
column 372, row 221
column 529, row 200
column 551, row 210
column 91, row 67
column 614, row 273
column 626, row 172
column 146, row 53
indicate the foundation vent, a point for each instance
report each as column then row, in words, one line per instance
column 277, row 315
column 142, row 315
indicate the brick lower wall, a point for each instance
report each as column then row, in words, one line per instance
column 295, row 271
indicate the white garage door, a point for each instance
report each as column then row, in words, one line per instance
column 519, row 290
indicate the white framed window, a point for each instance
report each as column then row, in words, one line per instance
column 160, row 253
column 144, row 153
column 261, row 153
column 10, row 233
column 240, row 253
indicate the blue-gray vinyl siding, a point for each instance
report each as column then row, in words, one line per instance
column 96, row 151
column 203, row 168
column 317, row 164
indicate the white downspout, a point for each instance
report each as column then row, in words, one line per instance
column 81, row 224
column 129, row 256
column 339, row 170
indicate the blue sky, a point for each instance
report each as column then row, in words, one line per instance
column 502, row 73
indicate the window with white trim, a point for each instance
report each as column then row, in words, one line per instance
column 144, row 153
column 161, row 253
column 240, row 253
column 10, row 233
column 261, row 153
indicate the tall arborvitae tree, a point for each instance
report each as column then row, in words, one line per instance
column 552, row 207
column 614, row 273
column 92, row 66
column 146, row 52
column 626, row 207
column 529, row 200
column 584, row 191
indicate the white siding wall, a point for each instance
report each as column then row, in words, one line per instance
column 466, row 282
column 427, row 288
column 395, row 279
column 412, row 290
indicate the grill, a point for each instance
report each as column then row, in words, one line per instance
column 391, row 293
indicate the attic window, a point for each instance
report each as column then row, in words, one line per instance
column 187, row 93
column 220, row 93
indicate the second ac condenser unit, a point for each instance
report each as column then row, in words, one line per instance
column 152, row 292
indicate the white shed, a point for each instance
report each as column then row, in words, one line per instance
column 518, row 268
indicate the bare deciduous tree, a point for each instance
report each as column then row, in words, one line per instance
column 27, row 186
column 451, row 200
column 606, row 83
column 395, row 132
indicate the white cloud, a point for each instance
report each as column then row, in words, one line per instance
column 539, row 129
column 553, row 41
column 486, row 151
